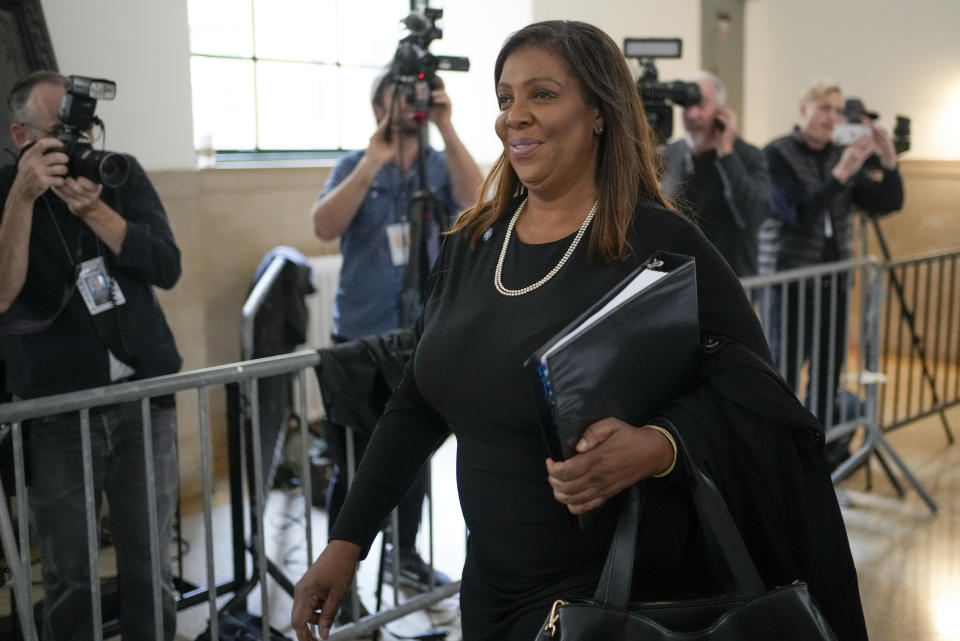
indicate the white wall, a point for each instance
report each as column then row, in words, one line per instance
column 898, row 57
column 144, row 46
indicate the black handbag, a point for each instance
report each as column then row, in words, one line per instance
column 751, row 613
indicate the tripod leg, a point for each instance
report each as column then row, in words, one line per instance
column 907, row 473
column 279, row 577
column 868, row 480
column 889, row 473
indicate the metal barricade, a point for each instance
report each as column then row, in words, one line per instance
column 830, row 327
column 920, row 342
column 13, row 415
column 805, row 314
column 360, row 626
column 247, row 374
column 823, row 327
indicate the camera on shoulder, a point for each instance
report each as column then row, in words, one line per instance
column 77, row 118
column 658, row 97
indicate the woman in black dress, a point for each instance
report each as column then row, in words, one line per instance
column 575, row 207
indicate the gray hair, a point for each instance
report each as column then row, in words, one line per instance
column 716, row 82
column 19, row 96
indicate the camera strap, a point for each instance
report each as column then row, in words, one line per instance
column 18, row 326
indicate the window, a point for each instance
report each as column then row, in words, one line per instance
column 288, row 75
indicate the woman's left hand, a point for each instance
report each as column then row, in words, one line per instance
column 611, row 455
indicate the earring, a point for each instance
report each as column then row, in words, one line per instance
column 598, row 130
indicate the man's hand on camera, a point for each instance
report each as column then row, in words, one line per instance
column 884, row 146
column 853, row 157
column 80, row 194
column 38, row 170
column 440, row 108
column 723, row 140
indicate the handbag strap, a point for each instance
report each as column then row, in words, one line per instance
column 617, row 575
column 715, row 519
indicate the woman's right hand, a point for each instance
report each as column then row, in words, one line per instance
column 317, row 595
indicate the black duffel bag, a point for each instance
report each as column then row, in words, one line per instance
column 751, row 613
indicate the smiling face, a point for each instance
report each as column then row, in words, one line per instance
column 548, row 129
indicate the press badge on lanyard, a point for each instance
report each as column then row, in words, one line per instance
column 99, row 291
column 398, row 236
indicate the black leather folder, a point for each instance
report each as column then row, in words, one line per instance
column 636, row 355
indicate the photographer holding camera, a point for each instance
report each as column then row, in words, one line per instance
column 367, row 202
column 816, row 183
column 78, row 263
column 718, row 178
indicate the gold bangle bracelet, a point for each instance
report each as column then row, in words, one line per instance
column 673, row 443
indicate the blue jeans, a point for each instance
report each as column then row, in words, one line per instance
column 57, row 499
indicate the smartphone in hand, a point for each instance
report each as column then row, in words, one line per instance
column 845, row 133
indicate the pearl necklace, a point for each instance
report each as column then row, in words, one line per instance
column 506, row 241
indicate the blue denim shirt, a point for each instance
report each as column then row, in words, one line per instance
column 368, row 297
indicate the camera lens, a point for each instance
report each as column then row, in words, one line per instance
column 114, row 169
column 105, row 167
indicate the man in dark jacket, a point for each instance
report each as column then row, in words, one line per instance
column 719, row 179
column 78, row 263
column 816, row 183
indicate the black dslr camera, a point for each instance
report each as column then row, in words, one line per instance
column 76, row 115
column 658, row 97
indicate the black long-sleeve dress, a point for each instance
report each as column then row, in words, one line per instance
column 467, row 378
column 742, row 423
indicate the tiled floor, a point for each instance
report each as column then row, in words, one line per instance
column 908, row 560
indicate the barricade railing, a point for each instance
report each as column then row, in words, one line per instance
column 920, row 342
column 823, row 327
column 358, row 626
column 16, row 545
column 13, row 415
column 885, row 335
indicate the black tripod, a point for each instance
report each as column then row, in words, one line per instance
column 424, row 207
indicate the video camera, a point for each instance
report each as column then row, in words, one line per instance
column 658, row 97
column 412, row 61
column 855, row 112
column 77, row 117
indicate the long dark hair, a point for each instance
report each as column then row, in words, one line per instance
column 626, row 164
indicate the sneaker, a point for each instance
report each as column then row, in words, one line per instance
column 414, row 572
